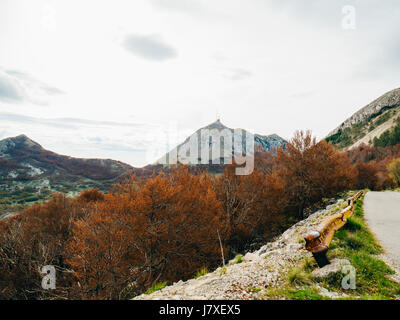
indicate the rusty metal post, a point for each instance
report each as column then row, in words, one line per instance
column 318, row 241
column 321, row 258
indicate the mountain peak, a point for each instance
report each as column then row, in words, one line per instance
column 267, row 143
column 21, row 141
column 216, row 125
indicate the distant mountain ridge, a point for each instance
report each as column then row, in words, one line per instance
column 369, row 122
column 29, row 172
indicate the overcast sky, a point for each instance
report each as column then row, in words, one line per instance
column 107, row 78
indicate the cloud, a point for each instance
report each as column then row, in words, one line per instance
column 191, row 6
column 10, row 91
column 237, row 74
column 219, row 57
column 302, row 94
column 71, row 123
column 150, row 47
column 78, row 137
column 374, row 41
column 18, row 87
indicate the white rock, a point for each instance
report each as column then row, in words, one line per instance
column 251, row 256
column 334, row 267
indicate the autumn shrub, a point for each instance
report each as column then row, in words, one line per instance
column 165, row 233
column 367, row 175
column 312, row 170
column 92, row 195
column 372, row 165
column 248, row 211
column 34, row 238
column 394, row 171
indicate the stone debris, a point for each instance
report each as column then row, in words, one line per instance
column 335, row 266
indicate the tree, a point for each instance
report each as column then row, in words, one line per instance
column 34, row 238
column 92, row 195
column 312, row 171
column 166, row 230
column 367, row 175
column 251, row 206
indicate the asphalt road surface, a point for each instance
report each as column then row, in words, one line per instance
column 382, row 211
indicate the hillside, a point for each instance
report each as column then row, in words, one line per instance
column 28, row 172
column 369, row 122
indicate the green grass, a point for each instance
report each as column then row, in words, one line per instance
column 307, row 293
column 156, row 287
column 254, row 289
column 353, row 242
column 201, row 273
column 223, row 270
column 238, row 259
column 357, row 244
column 299, row 276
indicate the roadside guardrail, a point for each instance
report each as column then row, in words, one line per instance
column 318, row 242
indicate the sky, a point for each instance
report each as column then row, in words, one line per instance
column 109, row 79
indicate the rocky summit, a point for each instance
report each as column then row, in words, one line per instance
column 210, row 135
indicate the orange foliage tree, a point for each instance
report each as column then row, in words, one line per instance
column 35, row 238
column 251, row 204
column 165, row 230
column 311, row 171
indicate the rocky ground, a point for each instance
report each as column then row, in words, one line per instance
column 259, row 271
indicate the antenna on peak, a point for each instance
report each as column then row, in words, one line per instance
column 218, row 116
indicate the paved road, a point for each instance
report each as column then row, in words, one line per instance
column 382, row 211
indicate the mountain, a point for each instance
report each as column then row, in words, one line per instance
column 28, row 172
column 206, row 138
column 369, row 123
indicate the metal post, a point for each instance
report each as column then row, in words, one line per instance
column 321, row 258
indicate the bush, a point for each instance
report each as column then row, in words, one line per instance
column 394, row 171
column 238, row 259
